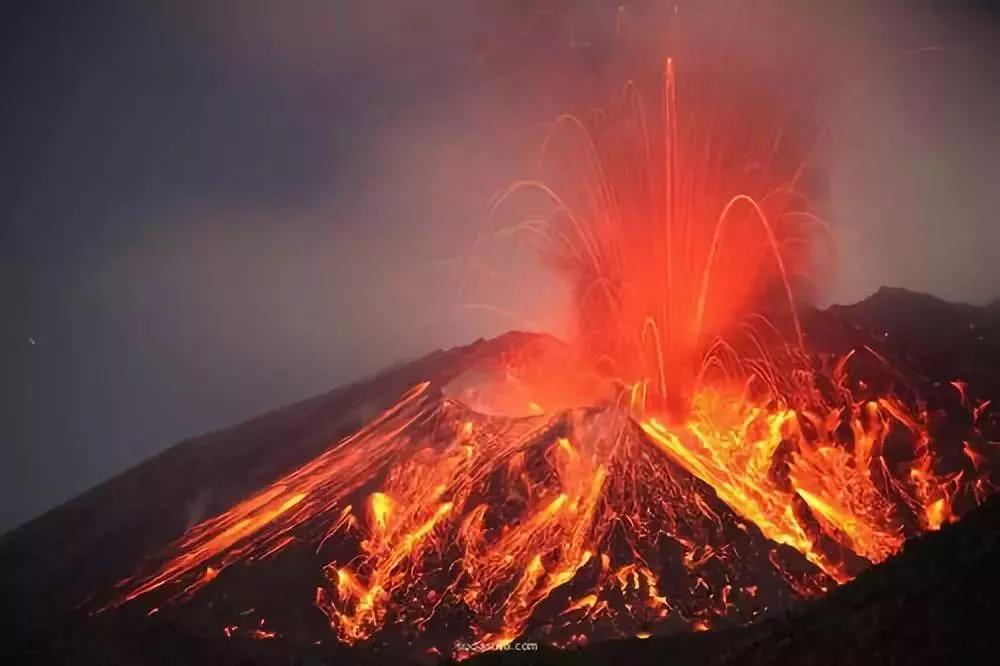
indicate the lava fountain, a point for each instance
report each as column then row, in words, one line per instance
column 678, row 233
column 724, row 473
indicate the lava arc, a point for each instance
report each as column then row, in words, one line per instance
column 724, row 470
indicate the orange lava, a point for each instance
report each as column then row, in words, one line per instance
column 721, row 476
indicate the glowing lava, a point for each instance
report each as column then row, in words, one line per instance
column 726, row 474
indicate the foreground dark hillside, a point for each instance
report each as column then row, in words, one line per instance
column 936, row 602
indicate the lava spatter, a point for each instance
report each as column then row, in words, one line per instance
column 688, row 464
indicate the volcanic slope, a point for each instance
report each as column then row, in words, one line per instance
column 268, row 611
column 933, row 603
column 474, row 529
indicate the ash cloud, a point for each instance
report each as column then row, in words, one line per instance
column 215, row 210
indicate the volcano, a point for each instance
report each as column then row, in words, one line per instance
column 436, row 510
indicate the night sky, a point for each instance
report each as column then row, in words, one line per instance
column 215, row 209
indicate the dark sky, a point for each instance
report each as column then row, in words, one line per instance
column 214, row 209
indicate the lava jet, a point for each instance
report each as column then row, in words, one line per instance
column 705, row 452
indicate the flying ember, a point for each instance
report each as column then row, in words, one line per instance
column 686, row 461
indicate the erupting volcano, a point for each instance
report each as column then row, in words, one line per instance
column 697, row 455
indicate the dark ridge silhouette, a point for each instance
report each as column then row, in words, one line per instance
column 946, row 338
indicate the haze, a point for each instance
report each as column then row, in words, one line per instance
column 215, row 211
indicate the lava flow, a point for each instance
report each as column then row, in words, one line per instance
column 716, row 471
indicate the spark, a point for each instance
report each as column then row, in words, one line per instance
column 722, row 418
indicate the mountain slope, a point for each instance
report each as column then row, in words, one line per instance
column 51, row 566
column 933, row 603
